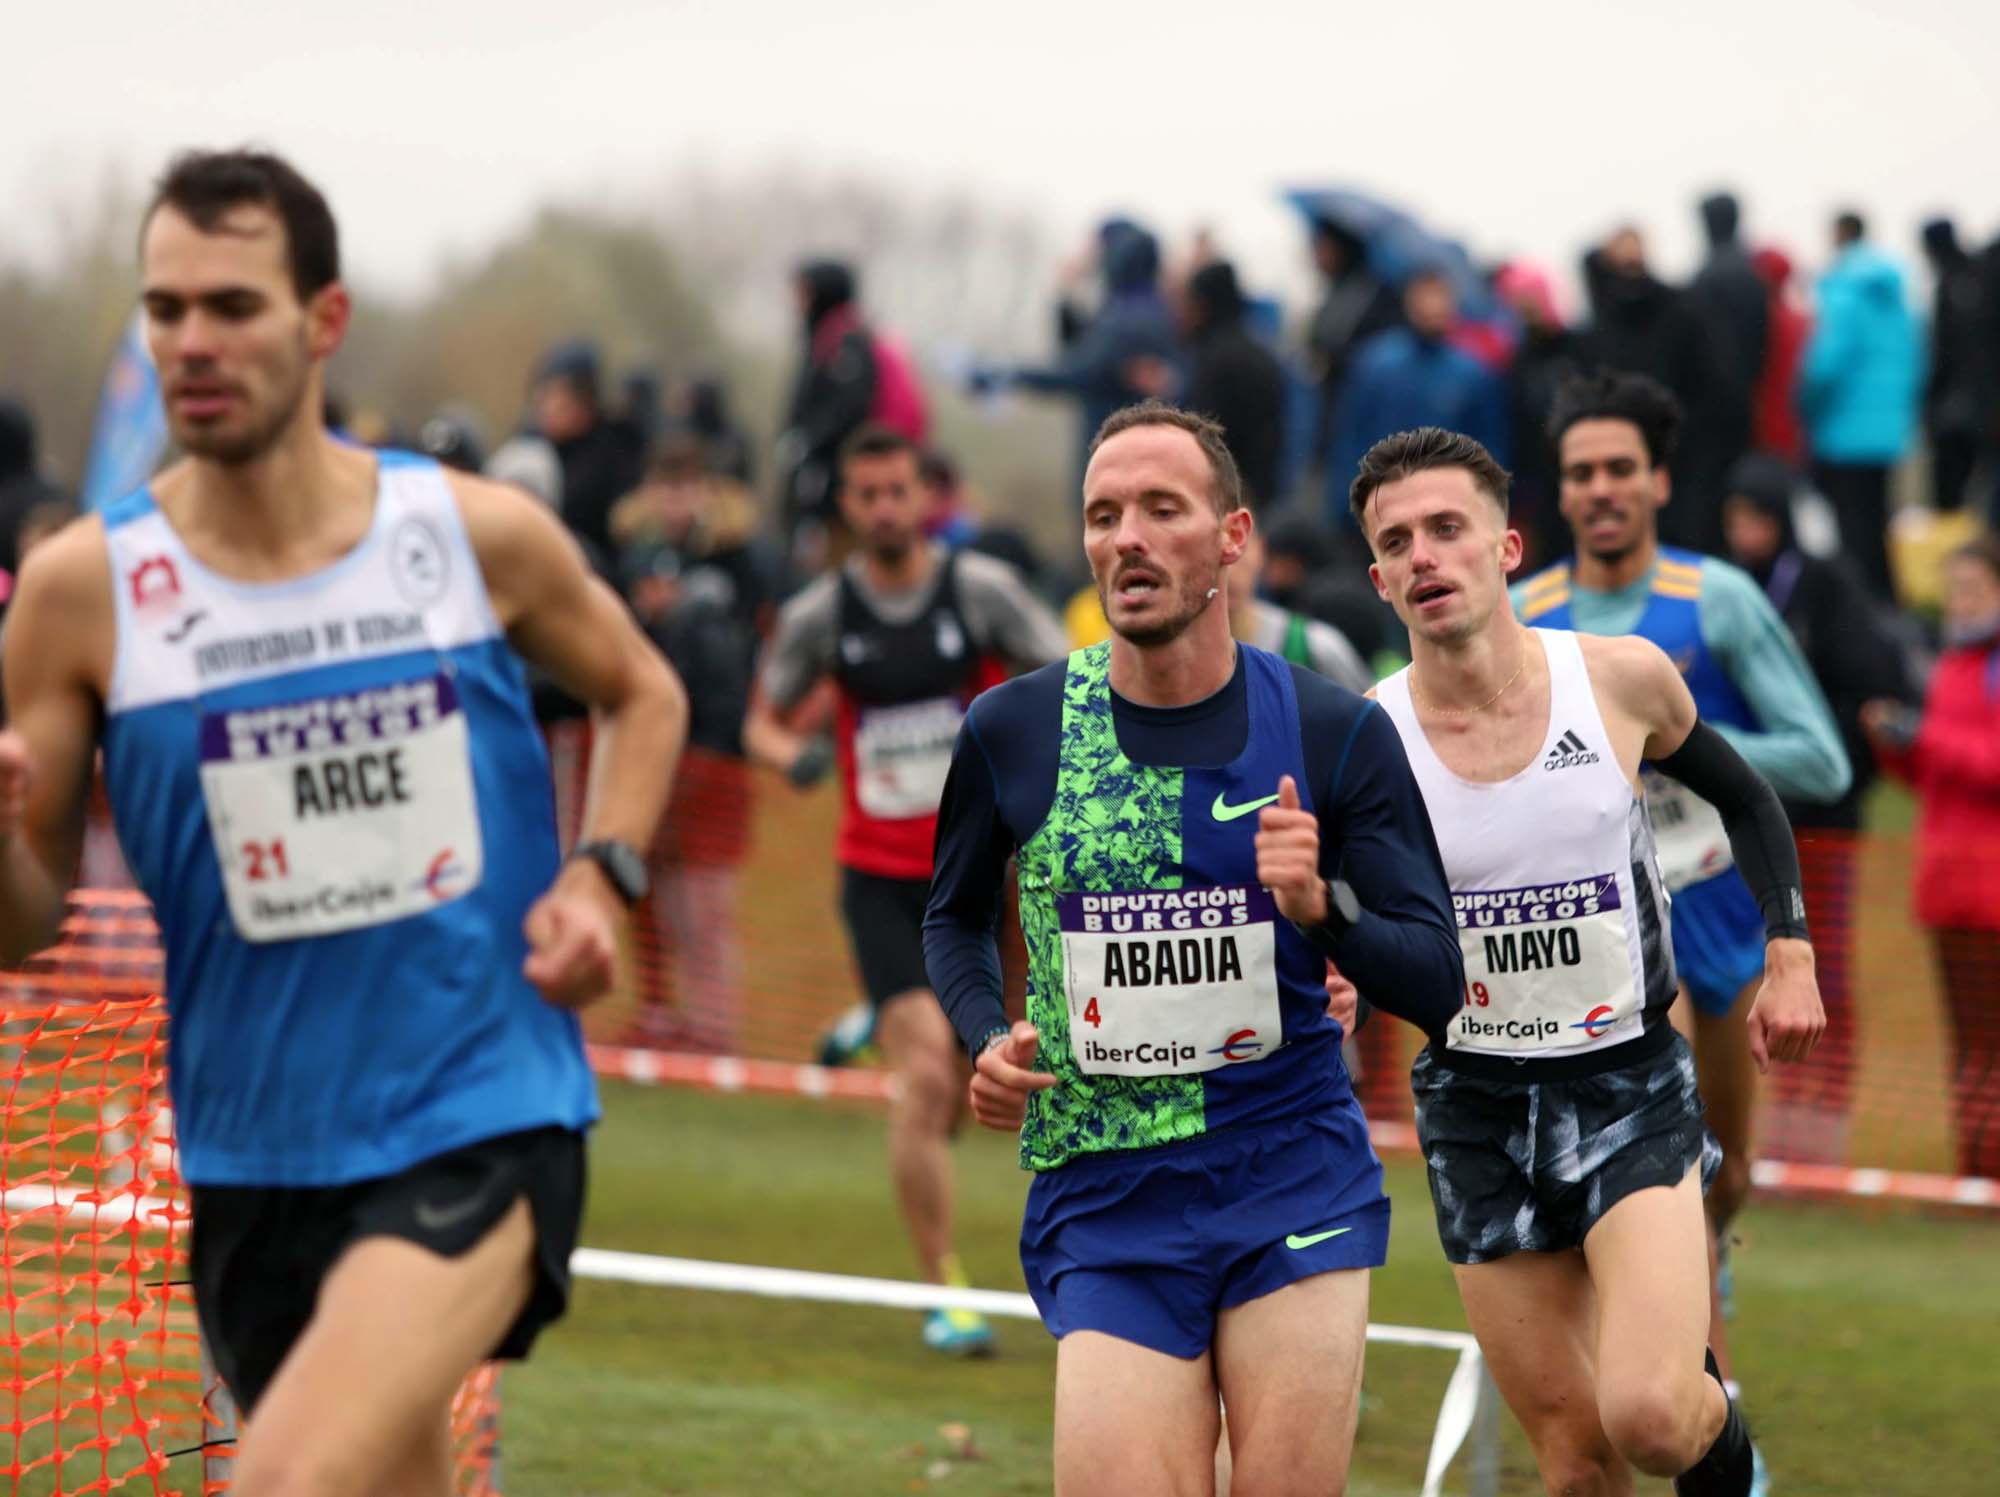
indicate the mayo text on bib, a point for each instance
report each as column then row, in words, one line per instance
column 1546, row 966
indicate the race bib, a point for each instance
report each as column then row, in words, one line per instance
column 1687, row 833
column 902, row 755
column 341, row 811
column 1168, row 982
column 1546, row 967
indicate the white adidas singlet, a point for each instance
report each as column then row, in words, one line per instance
column 1562, row 918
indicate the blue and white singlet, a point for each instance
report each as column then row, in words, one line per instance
column 334, row 792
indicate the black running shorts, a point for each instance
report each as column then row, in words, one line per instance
column 1531, row 1166
column 261, row 1252
column 885, row 923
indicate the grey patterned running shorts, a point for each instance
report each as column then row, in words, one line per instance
column 1532, row 1166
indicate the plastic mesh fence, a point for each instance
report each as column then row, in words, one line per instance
column 104, row 1386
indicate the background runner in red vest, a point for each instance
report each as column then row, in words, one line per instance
column 909, row 633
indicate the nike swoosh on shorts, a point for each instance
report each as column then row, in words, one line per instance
column 1295, row 1241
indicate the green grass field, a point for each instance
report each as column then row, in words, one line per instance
column 1866, row 1336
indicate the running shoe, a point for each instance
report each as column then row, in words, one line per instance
column 851, row 1041
column 958, row 1333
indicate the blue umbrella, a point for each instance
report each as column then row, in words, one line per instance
column 1396, row 244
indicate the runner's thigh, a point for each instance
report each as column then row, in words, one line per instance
column 1535, row 1315
column 395, row 1329
column 1289, row 1364
column 1132, row 1422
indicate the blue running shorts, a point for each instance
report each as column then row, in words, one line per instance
column 1718, row 941
column 1152, row 1245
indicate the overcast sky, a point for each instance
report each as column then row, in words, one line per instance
column 1526, row 127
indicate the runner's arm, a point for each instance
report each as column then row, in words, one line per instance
column 1007, row 616
column 1375, row 834
column 59, row 640
column 962, row 920
column 1697, row 755
column 559, row 616
column 1798, row 748
column 797, row 655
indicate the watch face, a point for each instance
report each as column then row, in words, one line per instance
column 623, row 865
column 1345, row 898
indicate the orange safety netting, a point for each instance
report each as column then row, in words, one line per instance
column 104, row 1383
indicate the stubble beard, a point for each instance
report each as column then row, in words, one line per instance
column 1196, row 595
column 891, row 553
column 234, row 449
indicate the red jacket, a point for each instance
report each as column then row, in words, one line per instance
column 1776, row 412
column 1955, row 767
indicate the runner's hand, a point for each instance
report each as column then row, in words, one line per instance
column 16, row 770
column 1002, row 1077
column 1288, row 857
column 1343, row 999
column 572, row 944
column 1787, row 1018
column 815, row 758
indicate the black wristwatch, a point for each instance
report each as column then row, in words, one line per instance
column 1342, row 907
column 622, row 864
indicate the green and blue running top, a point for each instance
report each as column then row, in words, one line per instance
column 1148, row 937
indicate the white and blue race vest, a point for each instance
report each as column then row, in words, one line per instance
column 334, row 792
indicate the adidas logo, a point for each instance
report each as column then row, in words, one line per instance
column 1570, row 752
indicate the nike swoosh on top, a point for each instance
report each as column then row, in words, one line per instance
column 1296, row 1241
column 1223, row 812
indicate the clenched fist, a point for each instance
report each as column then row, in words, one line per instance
column 1002, row 1077
column 1288, row 857
column 1786, row 1018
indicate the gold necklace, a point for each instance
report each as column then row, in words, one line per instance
column 1417, row 691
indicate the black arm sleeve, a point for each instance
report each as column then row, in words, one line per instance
column 1375, row 833
column 1759, row 835
column 961, row 922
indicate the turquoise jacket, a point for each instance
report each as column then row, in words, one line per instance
column 1862, row 374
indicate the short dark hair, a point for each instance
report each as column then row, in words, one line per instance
column 204, row 187
column 872, row 439
column 1849, row 226
column 1612, row 395
column 1226, row 483
column 1427, row 449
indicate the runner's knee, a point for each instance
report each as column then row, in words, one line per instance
column 1652, row 1426
column 1570, row 1448
column 930, row 1092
